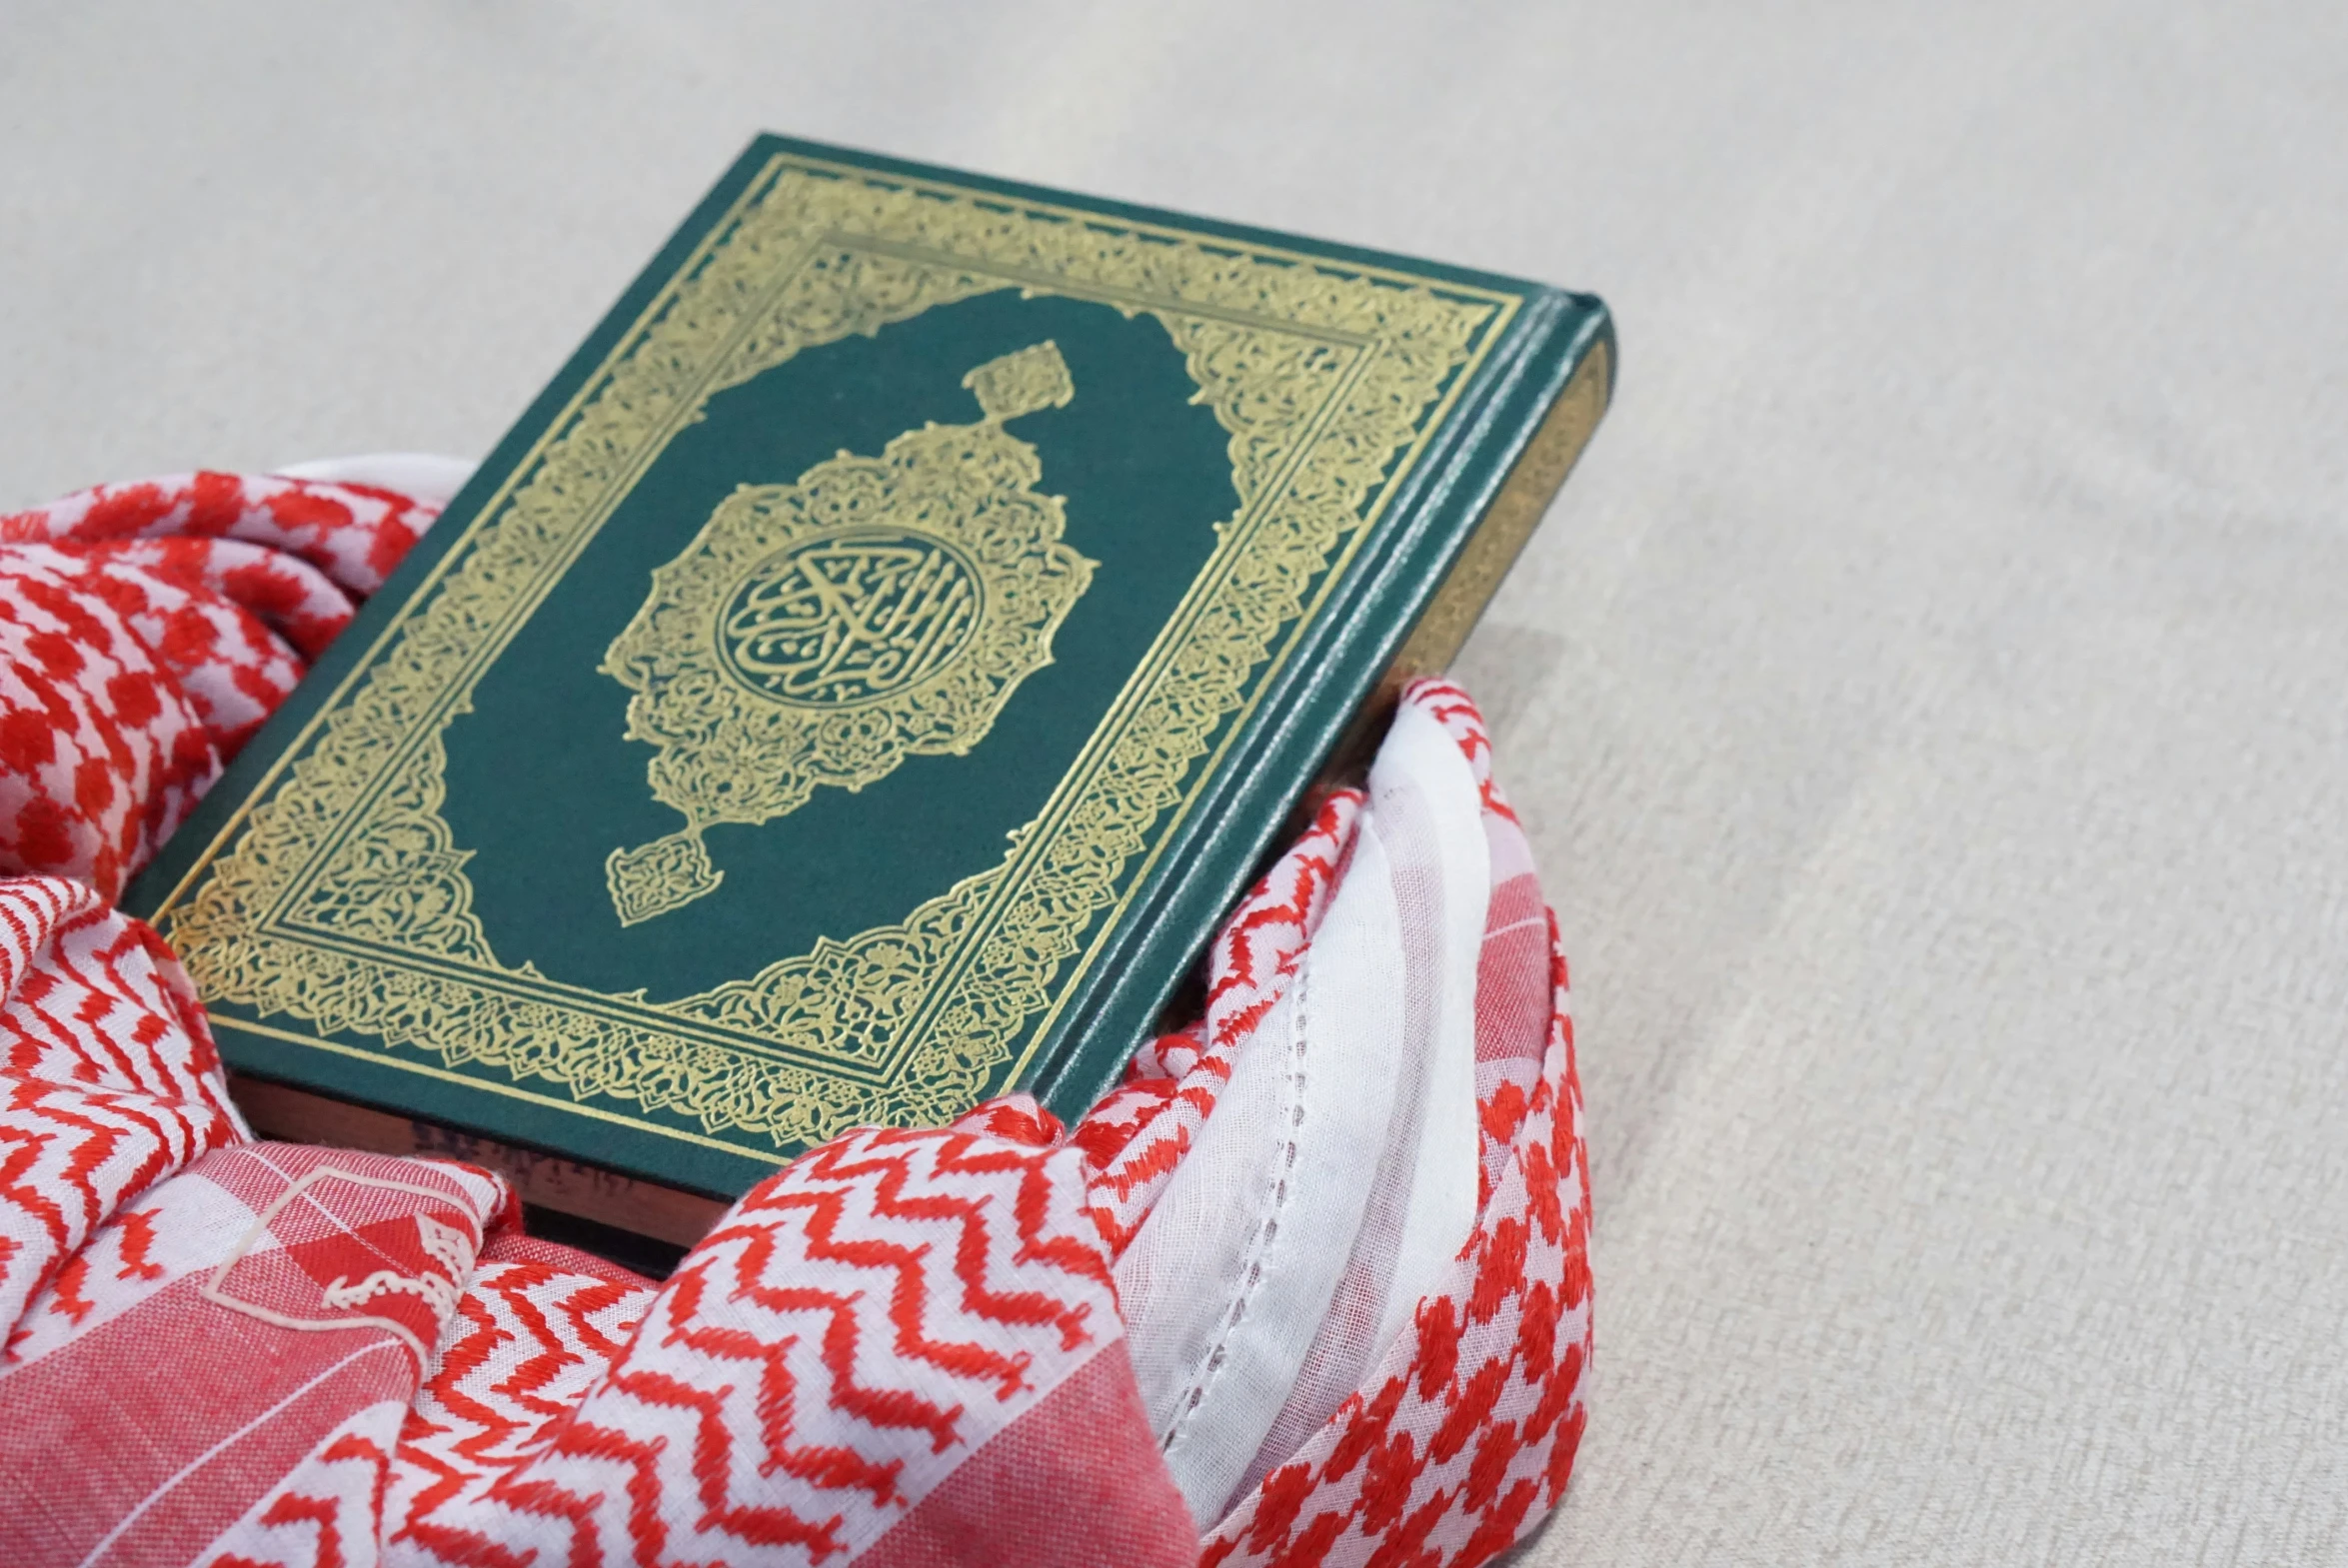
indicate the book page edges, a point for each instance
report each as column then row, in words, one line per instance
column 1501, row 533
column 1498, row 538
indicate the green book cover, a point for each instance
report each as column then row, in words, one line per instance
column 859, row 680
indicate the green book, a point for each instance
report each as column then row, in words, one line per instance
column 862, row 678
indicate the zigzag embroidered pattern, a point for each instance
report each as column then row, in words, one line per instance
column 904, row 1346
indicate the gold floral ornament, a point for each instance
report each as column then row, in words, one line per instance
column 819, row 632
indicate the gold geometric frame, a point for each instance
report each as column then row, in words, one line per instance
column 337, row 897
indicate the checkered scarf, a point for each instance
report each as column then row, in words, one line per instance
column 1309, row 1286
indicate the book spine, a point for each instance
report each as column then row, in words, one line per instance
column 1499, row 537
column 1467, row 514
column 1507, row 523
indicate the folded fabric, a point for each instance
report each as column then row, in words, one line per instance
column 1309, row 1286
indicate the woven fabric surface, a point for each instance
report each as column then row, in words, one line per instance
column 1304, row 1289
column 1923, row 704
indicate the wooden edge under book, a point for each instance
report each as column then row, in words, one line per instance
column 550, row 1181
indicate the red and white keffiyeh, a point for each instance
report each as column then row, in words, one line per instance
column 1310, row 1287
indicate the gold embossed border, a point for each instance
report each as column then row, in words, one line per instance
column 340, row 898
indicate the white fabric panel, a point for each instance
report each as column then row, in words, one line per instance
column 1231, row 1274
column 1426, row 816
column 1925, row 704
column 1421, row 764
column 1343, row 1152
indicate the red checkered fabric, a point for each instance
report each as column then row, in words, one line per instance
column 923, row 1346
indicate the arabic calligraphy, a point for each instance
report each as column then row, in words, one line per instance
column 836, row 621
column 821, row 631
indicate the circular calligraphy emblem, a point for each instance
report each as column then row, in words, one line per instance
column 851, row 617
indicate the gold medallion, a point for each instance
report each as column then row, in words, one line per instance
column 821, row 631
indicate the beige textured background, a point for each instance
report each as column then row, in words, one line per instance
column 1927, row 701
